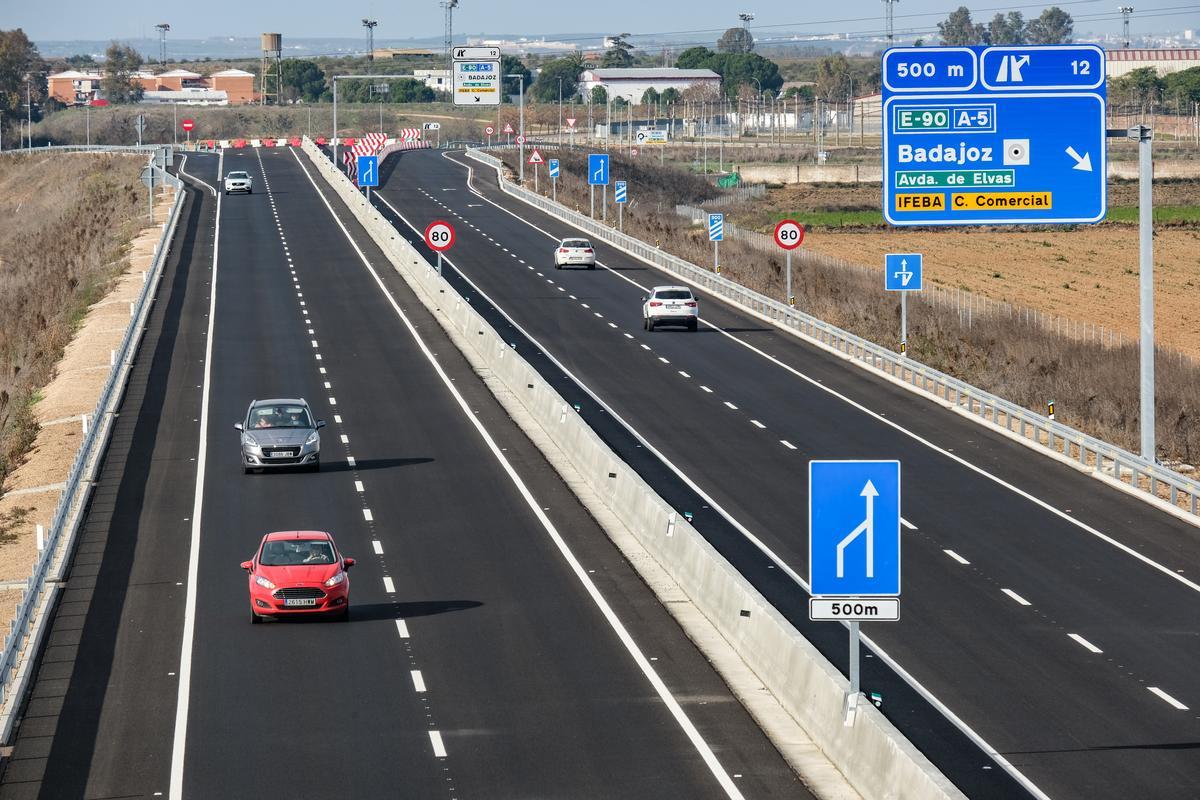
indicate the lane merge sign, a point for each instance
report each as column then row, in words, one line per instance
column 789, row 234
column 902, row 272
column 439, row 236
column 854, row 528
column 368, row 170
column 994, row 135
column 598, row 169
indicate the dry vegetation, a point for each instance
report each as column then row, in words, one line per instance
column 66, row 224
column 1095, row 389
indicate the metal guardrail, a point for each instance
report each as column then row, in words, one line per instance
column 51, row 564
column 1080, row 448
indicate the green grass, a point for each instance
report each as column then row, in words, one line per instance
column 1163, row 214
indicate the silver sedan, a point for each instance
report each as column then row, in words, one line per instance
column 280, row 433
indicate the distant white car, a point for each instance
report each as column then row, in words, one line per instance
column 239, row 182
column 574, row 252
column 670, row 305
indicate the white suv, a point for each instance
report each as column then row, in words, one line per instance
column 574, row 251
column 670, row 305
column 239, row 182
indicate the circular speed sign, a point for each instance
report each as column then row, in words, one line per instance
column 489, row 130
column 439, row 236
column 633, row 151
column 520, row 139
column 789, row 234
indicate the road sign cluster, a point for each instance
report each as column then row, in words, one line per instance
column 994, row 135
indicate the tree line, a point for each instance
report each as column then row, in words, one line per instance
column 1053, row 26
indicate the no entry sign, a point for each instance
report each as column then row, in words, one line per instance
column 188, row 124
column 789, row 234
column 439, row 236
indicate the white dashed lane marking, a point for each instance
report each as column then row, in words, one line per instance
column 730, row 406
column 439, row 749
column 388, row 585
column 377, row 546
column 1016, row 597
column 1160, row 694
column 705, row 388
column 956, row 557
column 402, row 628
column 757, row 424
column 1085, row 643
column 418, row 680
column 367, row 515
column 787, row 444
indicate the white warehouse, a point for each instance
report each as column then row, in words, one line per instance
column 631, row 84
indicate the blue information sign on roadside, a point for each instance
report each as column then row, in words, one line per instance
column 994, row 135
column 619, row 191
column 902, row 272
column 716, row 227
column 854, row 528
column 554, row 168
column 598, row 169
column 368, row 170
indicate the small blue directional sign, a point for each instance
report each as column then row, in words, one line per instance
column 598, row 169
column 716, row 227
column 619, row 191
column 854, row 528
column 368, row 170
column 902, row 272
column 994, row 135
column 553, row 167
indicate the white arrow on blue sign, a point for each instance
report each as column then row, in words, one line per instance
column 854, row 528
column 598, row 169
column 554, row 168
column 902, row 272
column 368, row 170
column 619, row 191
column 716, row 227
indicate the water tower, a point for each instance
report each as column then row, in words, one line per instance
column 272, row 67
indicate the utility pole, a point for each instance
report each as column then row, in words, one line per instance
column 163, row 27
column 558, row 137
column 29, row 110
column 1125, row 12
column 370, row 24
column 889, row 25
column 521, row 124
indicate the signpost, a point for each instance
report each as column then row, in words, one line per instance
column 439, row 237
column 571, row 129
column 489, row 130
column 656, row 136
column 716, row 233
column 598, row 176
column 434, row 126
column 508, row 130
column 902, row 273
column 994, row 135
column 854, row 548
column 368, row 173
column 788, row 235
column 619, row 196
column 554, row 179
column 535, row 158
column 476, row 76
column 187, row 125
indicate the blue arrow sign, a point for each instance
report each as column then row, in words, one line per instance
column 902, row 272
column 619, row 191
column 996, row 135
column 854, row 528
column 716, row 227
column 598, row 169
column 368, row 170
column 553, row 167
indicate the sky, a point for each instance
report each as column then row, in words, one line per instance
column 127, row 19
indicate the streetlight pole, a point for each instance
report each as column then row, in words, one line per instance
column 521, row 123
column 28, row 110
column 559, row 131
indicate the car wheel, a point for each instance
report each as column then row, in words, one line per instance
column 227, row 193
column 246, row 470
column 591, row 266
column 693, row 325
column 316, row 466
column 255, row 619
column 650, row 325
column 345, row 615
column 249, row 191
column 557, row 265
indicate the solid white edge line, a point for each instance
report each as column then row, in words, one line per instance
column 664, row 693
column 1016, row 597
column 883, row 655
column 439, row 749
column 182, row 171
column 1164, row 696
column 183, row 693
column 956, row 557
column 1085, row 643
column 418, row 680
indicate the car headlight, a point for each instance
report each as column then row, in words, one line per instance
column 263, row 582
column 336, row 579
column 313, row 438
column 250, row 440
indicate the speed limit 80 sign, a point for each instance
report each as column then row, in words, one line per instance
column 789, row 234
column 439, row 236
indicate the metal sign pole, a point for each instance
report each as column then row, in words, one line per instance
column 439, row 262
column 535, row 177
column 1146, row 286
column 903, row 323
column 852, row 697
column 621, row 217
column 716, row 262
column 593, row 188
column 788, row 296
column 604, row 204
column 554, row 189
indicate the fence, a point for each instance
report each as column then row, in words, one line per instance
column 50, row 568
column 1032, row 428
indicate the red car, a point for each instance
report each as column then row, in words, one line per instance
column 296, row 573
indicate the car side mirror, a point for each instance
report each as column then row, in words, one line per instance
column 320, row 423
column 347, row 563
column 644, row 299
column 237, row 426
column 248, row 566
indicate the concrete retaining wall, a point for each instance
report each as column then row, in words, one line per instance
column 877, row 760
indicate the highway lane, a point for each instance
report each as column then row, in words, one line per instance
column 1081, row 723
column 483, row 633
column 520, row 676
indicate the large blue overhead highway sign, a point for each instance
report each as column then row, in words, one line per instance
column 994, row 135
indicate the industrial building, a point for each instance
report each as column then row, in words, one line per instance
column 631, row 84
column 227, row 87
column 1164, row 61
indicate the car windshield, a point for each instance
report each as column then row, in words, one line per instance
column 282, row 416
column 673, row 294
column 296, row 552
column 237, row 175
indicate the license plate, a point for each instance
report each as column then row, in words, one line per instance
column 279, row 454
column 303, row 601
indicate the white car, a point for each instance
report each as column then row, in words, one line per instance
column 670, row 305
column 239, row 182
column 574, row 252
